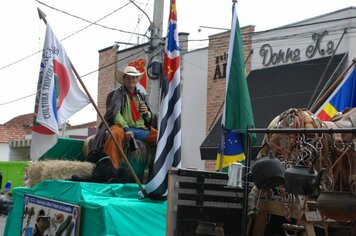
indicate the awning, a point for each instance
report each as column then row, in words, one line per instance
column 274, row 90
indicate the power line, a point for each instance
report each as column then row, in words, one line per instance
column 140, row 18
column 197, row 40
column 17, row 99
column 87, row 74
column 95, row 22
column 192, row 40
column 304, row 35
column 72, row 34
column 22, row 59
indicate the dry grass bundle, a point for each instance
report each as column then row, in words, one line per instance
column 57, row 169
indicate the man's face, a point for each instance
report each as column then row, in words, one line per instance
column 130, row 81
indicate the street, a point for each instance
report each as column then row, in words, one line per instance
column 2, row 224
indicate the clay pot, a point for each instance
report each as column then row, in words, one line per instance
column 339, row 206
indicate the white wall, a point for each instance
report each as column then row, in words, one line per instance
column 20, row 154
column 79, row 132
column 194, row 95
column 4, row 151
column 300, row 39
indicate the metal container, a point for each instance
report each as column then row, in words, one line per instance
column 339, row 206
column 303, row 180
column 268, row 172
column 235, row 175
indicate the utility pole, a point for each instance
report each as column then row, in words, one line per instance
column 155, row 53
column 157, row 24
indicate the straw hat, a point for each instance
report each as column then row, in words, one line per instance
column 129, row 70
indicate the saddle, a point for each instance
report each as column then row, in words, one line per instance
column 345, row 119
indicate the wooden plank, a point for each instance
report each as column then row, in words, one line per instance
column 195, row 196
column 313, row 216
column 204, row 186
column 277, row 208
column 260, row 224
column 211, row 198
column 267, row 207
column 172, row 199
column 203, row 174
column 309, row 228
column 188, row 218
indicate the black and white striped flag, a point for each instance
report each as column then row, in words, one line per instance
column 169, row 127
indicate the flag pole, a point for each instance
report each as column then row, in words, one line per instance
column 222, row 147
column 328, row 92
column 121, row 152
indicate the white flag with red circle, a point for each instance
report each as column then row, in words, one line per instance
column 58, row 96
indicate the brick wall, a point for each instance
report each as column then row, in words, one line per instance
column 216, row 82
column 218, row 47
column 106, row 81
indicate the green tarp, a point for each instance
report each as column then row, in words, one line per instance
column 106, row 209
column 65, row 149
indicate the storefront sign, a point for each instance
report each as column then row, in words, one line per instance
column 220, row 67
column 42, row 216
column 272, row 57
column 140, row 65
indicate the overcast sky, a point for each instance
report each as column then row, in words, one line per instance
column 22, row 35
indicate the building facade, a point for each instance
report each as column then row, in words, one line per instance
column 15, row 136
column 193, row 93
column 287, row 67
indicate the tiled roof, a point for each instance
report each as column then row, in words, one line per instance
column 19, row 126
column 25, row 119
column 85, row 125
column 11, row 132
column 16, row 128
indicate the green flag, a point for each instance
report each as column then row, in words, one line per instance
column 237, row 116
column 237, row 111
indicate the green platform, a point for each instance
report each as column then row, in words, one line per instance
column 107, row 209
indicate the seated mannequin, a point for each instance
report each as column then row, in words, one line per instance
column 129, row 119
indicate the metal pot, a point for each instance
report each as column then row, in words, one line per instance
column 302, row 180
column 339, row 206
column 267, row 172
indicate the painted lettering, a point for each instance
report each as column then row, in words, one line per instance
column 217, row 74
column 280, row 57
column 272, row 57
column 45, row 106
column 220, row 68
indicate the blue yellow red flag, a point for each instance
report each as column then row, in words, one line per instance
column 344, row 96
